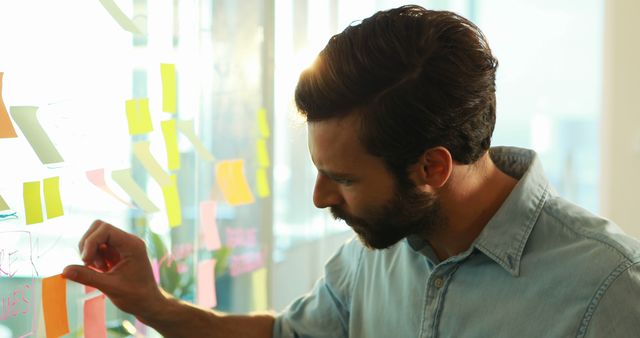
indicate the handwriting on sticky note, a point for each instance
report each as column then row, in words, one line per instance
column 52, row 200
column 6, row 127
column 186, row 127
column 94, row 318
column 26, row 119
column 207, row 283
column 125, row 180
column 168, row 75
column 142, row 152
column 119, row 16
column 54, row 305
column 96, row 177
column 172, row 202
column 233, row 183
column 208, row 225
column 138, row 116
column 32, row 202
column 170, row 133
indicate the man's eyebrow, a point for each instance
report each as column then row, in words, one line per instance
column 333, row 174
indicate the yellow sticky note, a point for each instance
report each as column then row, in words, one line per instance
column 259, row 283
column 186, row 127
column 119, row 16
column 168, row 74
column 171, row 143
column 32, row 202
column 52, row 199
column 25, row 118
column 263, row 153
column 233, row 183
column 262, row 182
column 138, row 116
column 125, row 180
column 263, row 123
column 6, row 127
column 3, row 205
column 172, row 203
column 143, row 153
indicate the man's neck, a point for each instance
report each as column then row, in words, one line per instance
column 469, row 200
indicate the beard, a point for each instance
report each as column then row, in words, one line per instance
column 408, row 212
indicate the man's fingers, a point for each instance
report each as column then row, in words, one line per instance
column 87, row 276
column 104, row 234
column 94, row 226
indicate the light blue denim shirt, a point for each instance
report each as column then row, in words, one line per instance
column 542, row 267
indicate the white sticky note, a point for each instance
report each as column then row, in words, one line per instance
column 125, row 180
column 26, row 119
column 186, row 127
column 143, row 154
column 122, row 19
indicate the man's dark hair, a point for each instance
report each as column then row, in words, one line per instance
column 418, row 78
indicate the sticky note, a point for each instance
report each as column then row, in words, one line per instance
column 96, row 177
column 263, row 153
column 233, row 183
column 32, row 202
column 125, row 180
column 95, row 325
column 25, row 118
column 54, row 305
column 208, row 225
column 172, row 202
column 207, row 283
column 186, row 127
column 138, row 116
column 121, row 18
column 262, row 183
column 168, row 75
column 170, row 133
column 52, row 200
column 3, row 205
column 155, row 268
column 142, row 152
column 6, row 127
column 263, row 123
column 259, row 284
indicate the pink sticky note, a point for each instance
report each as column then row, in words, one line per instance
column 206, row 283
column 97, row 178
column 89, row 289
column 94, row 318
column 208, row 226
column 155, row 267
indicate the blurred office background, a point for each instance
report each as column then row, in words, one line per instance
column 567, row 87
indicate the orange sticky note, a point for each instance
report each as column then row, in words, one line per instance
column 54, row 305
column 6, row 127
column 207, row 283
column 95, row 325
column 32, row 202
column 233, row 183
column 208, row 226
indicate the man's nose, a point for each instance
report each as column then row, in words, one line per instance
column 326, row 193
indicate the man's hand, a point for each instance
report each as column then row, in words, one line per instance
column 117, row 264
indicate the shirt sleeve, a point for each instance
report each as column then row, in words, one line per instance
column 617, row 313
column 324, row 312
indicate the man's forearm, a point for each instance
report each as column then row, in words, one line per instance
column 176, row 318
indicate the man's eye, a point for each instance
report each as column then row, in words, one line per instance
column 344, row 181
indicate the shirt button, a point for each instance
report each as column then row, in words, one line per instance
column 439, row 282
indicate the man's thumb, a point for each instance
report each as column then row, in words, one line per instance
column 83, row 275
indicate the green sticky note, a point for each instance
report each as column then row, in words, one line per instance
column 263, row 123
column 52, row 199
column 3, row 205
column 32, row 202
column 168, row 74
column 263, row 153
column 172, row 203
column 262, row 182
column 170, row 133
column 138, row 116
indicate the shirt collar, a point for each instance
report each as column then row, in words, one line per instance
column 504, row 237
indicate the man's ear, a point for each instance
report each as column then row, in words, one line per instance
column 433, row 168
